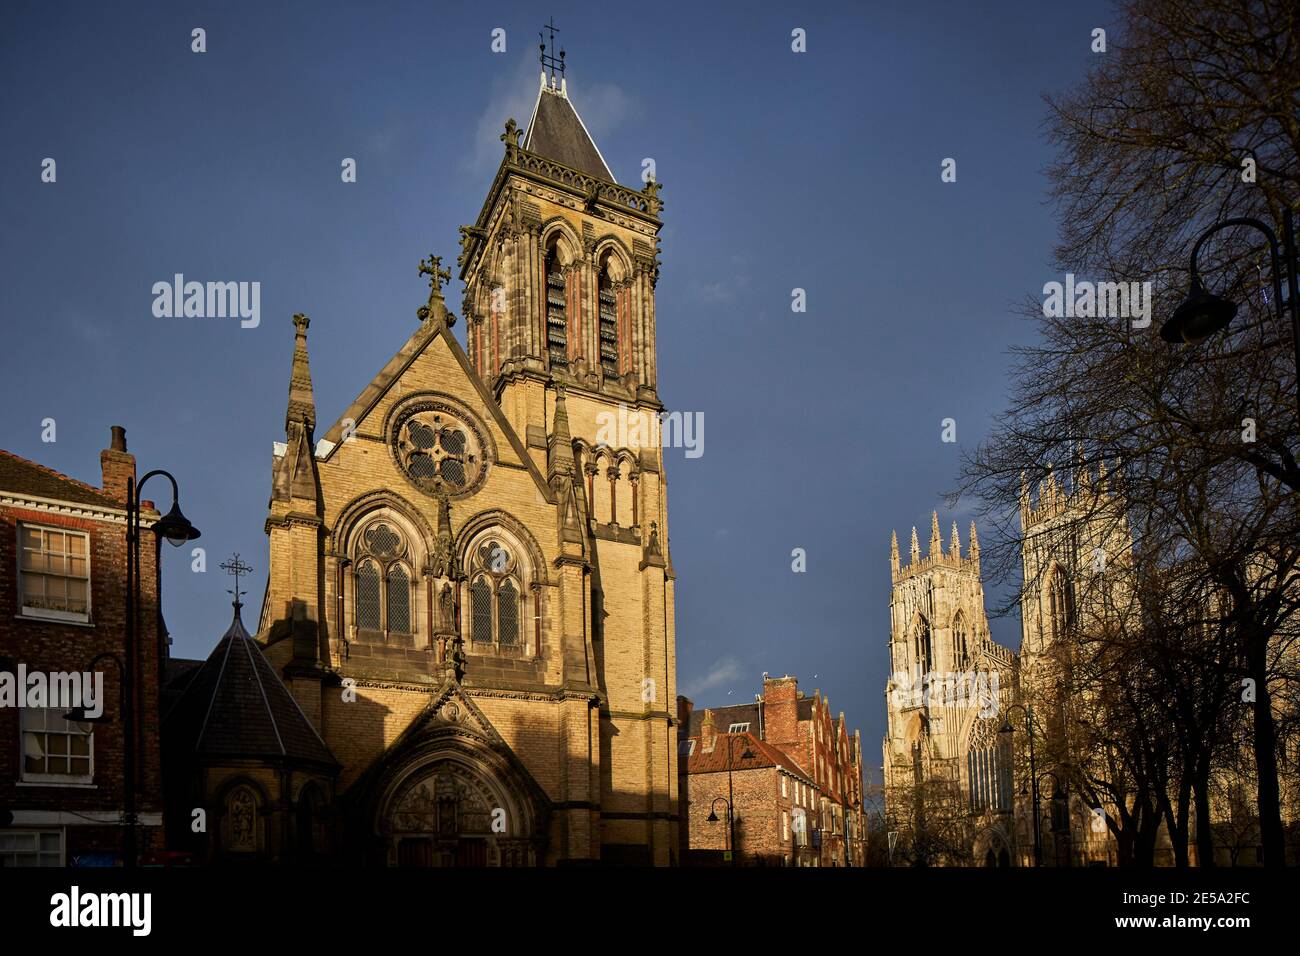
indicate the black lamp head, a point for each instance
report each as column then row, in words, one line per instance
column 175, row 527
column 1201, row 314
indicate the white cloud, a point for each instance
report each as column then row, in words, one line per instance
column 720, row 672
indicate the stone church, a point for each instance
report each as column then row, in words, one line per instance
column 470, row 595
column 953, row 688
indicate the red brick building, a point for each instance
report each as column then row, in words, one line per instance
column 800, row 794
column 62, row 604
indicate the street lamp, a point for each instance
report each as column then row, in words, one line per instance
column 729, row 800
column 1005, row 731
column 176, row 528
column 1202, row 313
column 1060, row 812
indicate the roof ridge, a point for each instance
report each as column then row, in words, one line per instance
column 252, row 660
column 56, row 473
column 216, row 685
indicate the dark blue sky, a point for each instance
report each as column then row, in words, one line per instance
column 820, row 171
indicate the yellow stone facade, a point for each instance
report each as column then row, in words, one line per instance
column 470, row 591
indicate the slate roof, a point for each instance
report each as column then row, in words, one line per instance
column 765, row 755
column 27, row 477
column 724, row 717
column 235, row 706
column 556, row 132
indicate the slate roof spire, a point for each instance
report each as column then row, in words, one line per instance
column 555, row 130
column 236, row 707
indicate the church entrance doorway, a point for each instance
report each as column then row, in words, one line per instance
column 453, row 812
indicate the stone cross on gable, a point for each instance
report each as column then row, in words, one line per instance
column 431, row 267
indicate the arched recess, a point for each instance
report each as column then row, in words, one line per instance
column 962, row 647
column 457, row 798
column 613, row 308
column 241, row 806
column 1058, row 604
column 922, row 646
column 556, row 232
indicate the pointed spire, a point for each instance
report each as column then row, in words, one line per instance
column 916, row 547
column 954, row 544
column 559, row 447
column 936, row 543
column 893, row 552
column 974, row 546
column 302, row 401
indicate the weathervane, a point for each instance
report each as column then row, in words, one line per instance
column 550, row 62
column 237, row 568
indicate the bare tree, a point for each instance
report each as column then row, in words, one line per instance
column 1190, row 117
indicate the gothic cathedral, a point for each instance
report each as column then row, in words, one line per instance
column 959, row 704
column 470, row 595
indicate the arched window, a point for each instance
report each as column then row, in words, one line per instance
column 480, row 598
column 960, row 641
column 924, row 659
column 496, row 600
column 367, row 600
column 382, row 583
column 988, row 768
column 399, row 600
column 608, row 307
column 557, row 311
column 1059, row 606
column 241, row 823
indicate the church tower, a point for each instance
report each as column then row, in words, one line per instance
column 560, row 271
column 470, row 592
column 949, row 683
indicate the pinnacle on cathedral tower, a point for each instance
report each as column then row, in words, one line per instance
column 916, row 547
column 936, row 543
column 954, row 544
column 893, row 552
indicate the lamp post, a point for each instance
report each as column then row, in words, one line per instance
column 1202, row 313
column 1007, row 730
column 176, row 528
column 1060, row 812
column 729, row 800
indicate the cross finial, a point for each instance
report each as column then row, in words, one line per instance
column 238, row 568
column 431, row 267
column 549, row 61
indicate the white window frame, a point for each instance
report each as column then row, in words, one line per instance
column 785, row 826
column 52, row 779
column 49, row 614
column 739, row 728
column 9, row 855
column 785, row 785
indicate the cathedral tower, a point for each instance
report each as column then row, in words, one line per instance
column 950, row 682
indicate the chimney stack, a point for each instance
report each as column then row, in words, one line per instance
column 117, row 465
